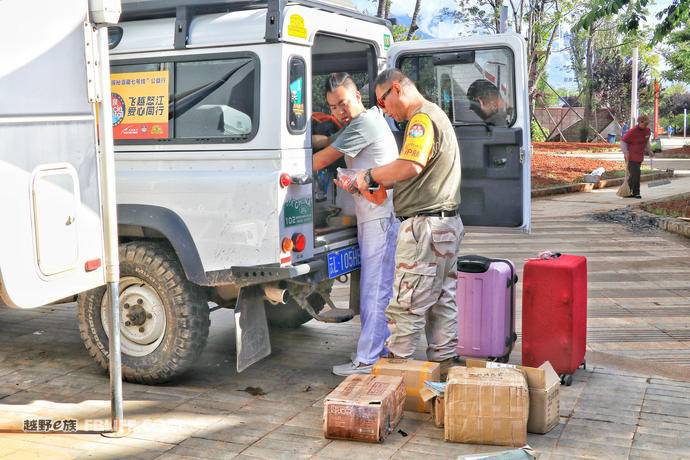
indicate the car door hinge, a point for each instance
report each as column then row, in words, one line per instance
column 92, row 63
column 522, row 155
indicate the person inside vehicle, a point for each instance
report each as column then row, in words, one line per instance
column 487, row 103
column 365, row 142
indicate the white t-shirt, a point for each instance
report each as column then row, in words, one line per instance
column 367, row 142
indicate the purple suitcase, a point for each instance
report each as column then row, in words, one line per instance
column 486, row 307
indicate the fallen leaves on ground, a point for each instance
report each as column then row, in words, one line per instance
column 677, row 207
column 549, row 170
column 574, row 147
column 680, row 152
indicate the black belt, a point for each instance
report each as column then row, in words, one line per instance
column 430, row 214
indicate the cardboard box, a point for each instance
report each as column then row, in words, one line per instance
column 437, row 402
column 414, row 373
column 486, row 406
column 364, row 408
column 544, row 384
column 438, row 410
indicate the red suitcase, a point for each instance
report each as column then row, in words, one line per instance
column 554, row 313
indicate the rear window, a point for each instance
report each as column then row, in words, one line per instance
column 297, row 115
column 470, row 86
column 183, row 101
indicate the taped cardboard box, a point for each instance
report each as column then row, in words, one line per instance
column 544, row 384
column 437, row 402
column 414, row 374
column 364, row 408
column 486, row 406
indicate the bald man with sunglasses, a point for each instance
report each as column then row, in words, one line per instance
column 426, row 193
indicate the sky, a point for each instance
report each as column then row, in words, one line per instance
column 430, row 27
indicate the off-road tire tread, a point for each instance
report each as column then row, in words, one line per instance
column 187, row 299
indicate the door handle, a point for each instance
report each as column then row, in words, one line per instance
column 499, row 162
column 301, row 179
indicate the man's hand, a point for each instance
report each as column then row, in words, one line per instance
column 361, row 183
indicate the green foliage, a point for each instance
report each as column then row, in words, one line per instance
column 677, row 13
column 400, row 33
column 678, row 55
column 537, row 134
column 674, row 120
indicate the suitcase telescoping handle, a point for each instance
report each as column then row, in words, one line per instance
column 479, row 264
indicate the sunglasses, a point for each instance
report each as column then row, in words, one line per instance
column 381, row 102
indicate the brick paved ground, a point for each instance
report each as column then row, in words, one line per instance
column 620, row 407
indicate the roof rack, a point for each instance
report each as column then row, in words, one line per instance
column 184, row 11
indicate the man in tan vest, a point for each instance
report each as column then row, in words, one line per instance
column 426, row 194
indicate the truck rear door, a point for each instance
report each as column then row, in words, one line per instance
column 51, row 241
column 459, row 75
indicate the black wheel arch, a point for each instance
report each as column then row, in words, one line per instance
column 164, row 223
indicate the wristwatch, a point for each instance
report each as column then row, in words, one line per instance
column 369, row 180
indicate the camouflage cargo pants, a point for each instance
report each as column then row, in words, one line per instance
column 424, row 287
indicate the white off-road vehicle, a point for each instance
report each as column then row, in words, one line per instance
column 217, row 203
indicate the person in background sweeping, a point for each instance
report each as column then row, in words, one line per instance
column 634, row 145
column 365, row 142
column 426, row 183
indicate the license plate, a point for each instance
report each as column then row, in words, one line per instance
column 343, row 261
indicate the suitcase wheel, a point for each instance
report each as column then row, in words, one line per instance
column 566, row 379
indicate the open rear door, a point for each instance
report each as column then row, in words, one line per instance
column 51, row 242
column 481, row 83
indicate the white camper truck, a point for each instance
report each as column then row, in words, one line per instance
column 217, row 203
column 56, row 162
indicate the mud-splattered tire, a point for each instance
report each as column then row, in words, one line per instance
column 168, row 321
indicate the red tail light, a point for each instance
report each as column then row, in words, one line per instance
column 300, row 242
column 285, row 180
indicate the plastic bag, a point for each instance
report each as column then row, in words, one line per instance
column 347, row 180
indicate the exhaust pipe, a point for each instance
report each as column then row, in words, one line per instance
column 275, row 295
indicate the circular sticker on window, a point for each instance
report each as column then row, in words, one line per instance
column 416, row 130
column 118, row 109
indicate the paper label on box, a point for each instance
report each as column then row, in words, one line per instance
column 495, row 365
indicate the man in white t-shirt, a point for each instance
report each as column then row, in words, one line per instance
column 366, row 142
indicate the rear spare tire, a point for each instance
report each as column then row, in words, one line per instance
column 164, row 317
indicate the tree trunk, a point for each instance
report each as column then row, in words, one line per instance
column 387, row 11
column 587, row 122
column 413, row 24
column 381, row 9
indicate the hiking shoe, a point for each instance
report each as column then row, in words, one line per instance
column 351, row 368
column 446, row 364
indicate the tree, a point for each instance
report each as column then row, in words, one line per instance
column 400, row 33
column 413, row 25
column 673, row 100
column 678, row 55
column 536, row 20
column 677, row 13
column 611, row 84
